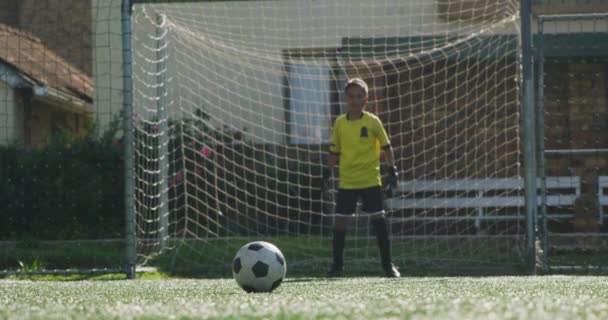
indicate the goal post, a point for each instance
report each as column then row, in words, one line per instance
column 129, row 139
column 233, row 104
column 529, row 112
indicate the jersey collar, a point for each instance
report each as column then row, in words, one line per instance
column 360, row 117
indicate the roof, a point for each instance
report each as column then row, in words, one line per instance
column 30, row 56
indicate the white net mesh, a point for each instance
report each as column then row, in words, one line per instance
column 234, row 102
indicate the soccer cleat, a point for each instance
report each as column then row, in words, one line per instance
column 334, row 272
column 391, row 271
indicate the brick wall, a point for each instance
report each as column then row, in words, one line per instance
column 454, row 127
column 576, row 117
column 576, row 112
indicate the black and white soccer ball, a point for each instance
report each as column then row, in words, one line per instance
column 259, row 267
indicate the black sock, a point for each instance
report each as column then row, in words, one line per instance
column 384, row 243
column 338, row 247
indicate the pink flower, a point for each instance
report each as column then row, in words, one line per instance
column 178, row 178
column 205, row 151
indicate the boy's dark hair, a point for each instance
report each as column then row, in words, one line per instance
column 356, row 82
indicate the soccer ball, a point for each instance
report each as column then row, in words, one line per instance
column 259, row 267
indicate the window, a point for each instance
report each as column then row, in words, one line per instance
column 311, row 98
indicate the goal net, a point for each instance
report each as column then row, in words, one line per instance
column 233, row 107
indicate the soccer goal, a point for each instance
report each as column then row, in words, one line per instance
column 233, row 103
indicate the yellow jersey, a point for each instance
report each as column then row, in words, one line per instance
column 358, row 143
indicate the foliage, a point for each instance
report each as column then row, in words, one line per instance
column 74, row 187
column 62, row 255
column 70, row 189
column 36, row 265
column 238, row 177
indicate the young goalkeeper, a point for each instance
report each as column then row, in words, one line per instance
column 357, row 138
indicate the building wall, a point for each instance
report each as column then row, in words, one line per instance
column 221, row 74
column 238, row 111
column 568, row 6
column 87, row 34
column 39, row 124
column 63, row 26
column 9, row 12
column 225, row 59
column 11, row 115
column 576, row 117
column 107, row 61
column 576, row 104
column 46, row 122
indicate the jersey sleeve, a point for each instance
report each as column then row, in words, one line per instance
column 335, row 146
column 381, row 133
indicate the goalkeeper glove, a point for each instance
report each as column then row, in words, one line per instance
column 391, row 181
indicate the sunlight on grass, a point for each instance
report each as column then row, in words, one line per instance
column 547, row 297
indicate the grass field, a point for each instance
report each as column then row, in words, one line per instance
column 543, row 297
column 308, row 256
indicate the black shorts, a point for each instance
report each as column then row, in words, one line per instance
column 371, row 198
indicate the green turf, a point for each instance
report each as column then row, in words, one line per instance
column 86, row 254
column 306, row 256
column 309, row 256
column 546, row 297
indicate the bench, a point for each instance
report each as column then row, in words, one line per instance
column 479, row 195
column 602, row 195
